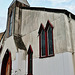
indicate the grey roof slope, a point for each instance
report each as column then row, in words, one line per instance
column 22, row 1
column 50, row 10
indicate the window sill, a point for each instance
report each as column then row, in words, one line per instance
column 52, row 55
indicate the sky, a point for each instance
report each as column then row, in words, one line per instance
column 59, row 4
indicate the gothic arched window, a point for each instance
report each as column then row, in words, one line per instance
column 49, row 34
column 46, row 40
column 49, row 40
column 10, row 26
column 42, row 41
column 30, row 61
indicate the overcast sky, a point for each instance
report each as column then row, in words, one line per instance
column 65, row 4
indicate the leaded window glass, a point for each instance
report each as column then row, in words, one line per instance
column 43, row 53
column 50, row 42
column 30, row 60
column 10, row 26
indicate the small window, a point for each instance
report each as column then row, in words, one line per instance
column 43, row 53
column 30, row 65
column 30, row 61
column 49, row 41
column 46, row 40
column 42, row 41
column 10, row 26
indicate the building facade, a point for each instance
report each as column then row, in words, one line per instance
column 38, row 41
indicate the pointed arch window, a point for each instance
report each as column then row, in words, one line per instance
column 30, row 60
column 49, row 32
column 46, row 40
column 10, row 26
column 6, row 64
column 50, row 45
column 42, row 41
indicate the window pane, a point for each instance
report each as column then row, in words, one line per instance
column 10, row 27
column 11, row 18
column 50, row 43
column 43, row 43
column 30, row 63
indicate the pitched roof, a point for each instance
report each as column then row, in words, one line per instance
column 22, row 1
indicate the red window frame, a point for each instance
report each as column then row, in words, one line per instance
column 1, row 48
column 46, row 29
column 5, row 61
column 40, row 30
column 46, row 43
column 30, row 51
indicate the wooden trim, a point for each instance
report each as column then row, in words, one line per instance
column 10, row 63
column 4, row 63
column 40, row 29
column 47, row 56
column 40, row 45
column 48, row 24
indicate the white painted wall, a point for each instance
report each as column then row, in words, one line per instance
column 31, row 21
column 60, row 64
column 19, row 65
column 10, row 45
column 72, row 29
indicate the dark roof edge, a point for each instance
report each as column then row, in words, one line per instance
column 3, row 35
column 51, row 10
